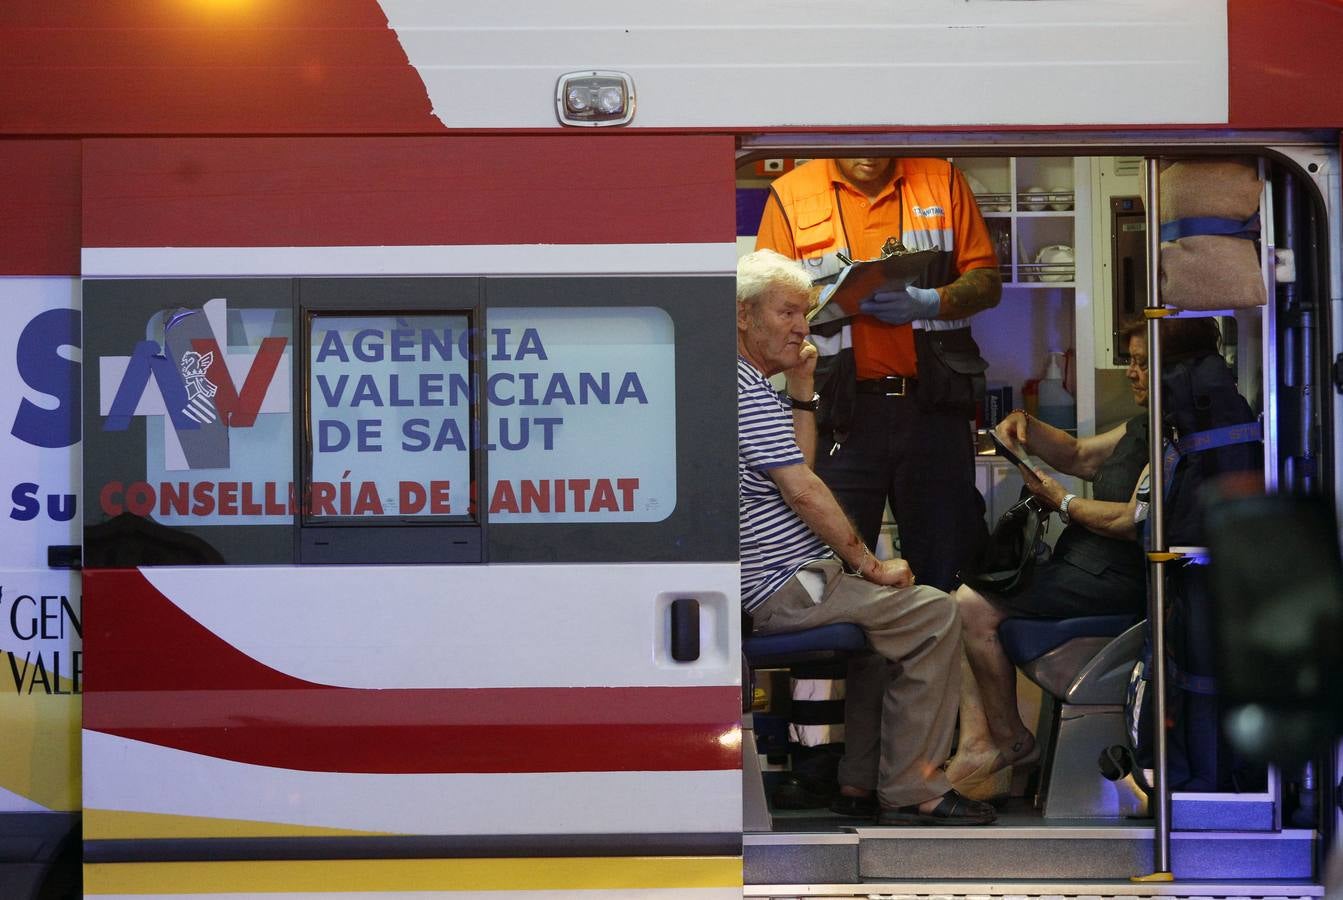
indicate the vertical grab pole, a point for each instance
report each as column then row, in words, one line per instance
column 1156, row 598
column 1280, row 473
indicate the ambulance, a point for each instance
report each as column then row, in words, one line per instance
column 369, row 429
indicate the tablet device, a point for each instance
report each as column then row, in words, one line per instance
column 1008, row 453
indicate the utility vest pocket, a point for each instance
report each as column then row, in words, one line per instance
column 815, row 229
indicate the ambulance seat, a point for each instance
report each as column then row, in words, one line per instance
column 1083, row 666
column 788, row 648
column 780, row 651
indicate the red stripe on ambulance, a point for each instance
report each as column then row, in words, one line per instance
column 386, row 192
column 164, row 679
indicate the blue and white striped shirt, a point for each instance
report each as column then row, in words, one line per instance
column 775, row 542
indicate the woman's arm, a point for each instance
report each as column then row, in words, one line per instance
column 1109, row 518
column 1080, row 457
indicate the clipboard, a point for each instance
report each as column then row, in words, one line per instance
column 860, row 280
column 1008, row 453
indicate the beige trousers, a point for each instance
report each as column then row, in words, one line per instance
column 900, row 702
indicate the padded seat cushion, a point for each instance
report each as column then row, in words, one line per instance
column 1025, row 639
column 839, row 637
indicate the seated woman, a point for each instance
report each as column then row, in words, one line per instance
column 1097, row 567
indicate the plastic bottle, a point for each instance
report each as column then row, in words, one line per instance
column 1030, row 397
column 1057, row 406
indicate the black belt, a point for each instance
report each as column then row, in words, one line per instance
column 890, row 386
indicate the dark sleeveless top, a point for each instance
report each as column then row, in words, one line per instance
column 1114, row 481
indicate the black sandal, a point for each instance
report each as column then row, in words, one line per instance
column 954, row 809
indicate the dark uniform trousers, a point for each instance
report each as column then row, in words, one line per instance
column 923, row 464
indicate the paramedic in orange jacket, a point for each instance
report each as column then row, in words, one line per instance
column 899, row 383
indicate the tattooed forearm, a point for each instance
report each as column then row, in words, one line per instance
column 975, row 291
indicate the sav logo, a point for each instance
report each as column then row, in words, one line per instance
column 44, row 369
column 928, row 212
column 188, row 378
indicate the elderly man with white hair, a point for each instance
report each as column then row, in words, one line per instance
column 803, row 564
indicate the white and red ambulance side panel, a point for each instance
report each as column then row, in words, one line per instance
column 450, row 716
column 408, row 67
column 515, row 723
column 40, row 617
column 265, row 220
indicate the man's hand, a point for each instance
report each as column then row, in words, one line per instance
column 801, row 378
column 903, row 306
column 889, row 572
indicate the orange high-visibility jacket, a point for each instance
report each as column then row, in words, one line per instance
column 813, row 213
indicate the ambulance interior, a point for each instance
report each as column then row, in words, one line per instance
column 1071, row 240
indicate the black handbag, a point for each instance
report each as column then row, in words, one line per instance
column 1014, row 548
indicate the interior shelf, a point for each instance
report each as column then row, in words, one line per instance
column 1037, row 210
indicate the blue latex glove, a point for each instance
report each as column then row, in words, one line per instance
column 902, row 307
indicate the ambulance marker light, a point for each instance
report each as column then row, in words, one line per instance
column 594, row 98
column 576, row 100
column 610, row 100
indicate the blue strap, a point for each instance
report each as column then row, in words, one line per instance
column 1190, row 683
column 1242, row 433
column 1170, row 461
column 1201, row 225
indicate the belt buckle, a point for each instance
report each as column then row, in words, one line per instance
column 902, row 381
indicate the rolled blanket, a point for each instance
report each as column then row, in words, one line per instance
column 1228, row 188
column 1211, row 271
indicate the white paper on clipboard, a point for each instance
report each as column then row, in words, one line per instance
column 860, row 280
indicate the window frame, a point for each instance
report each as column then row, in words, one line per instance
column 333, row 540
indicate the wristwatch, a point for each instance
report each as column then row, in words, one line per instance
column 809, row 405
column 1063, row 508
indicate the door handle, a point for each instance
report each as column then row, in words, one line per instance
column 685, row 629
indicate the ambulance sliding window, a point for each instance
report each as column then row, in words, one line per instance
column 390, row 400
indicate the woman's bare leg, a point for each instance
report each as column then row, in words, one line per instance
column 990, row 721
column 974, row 743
